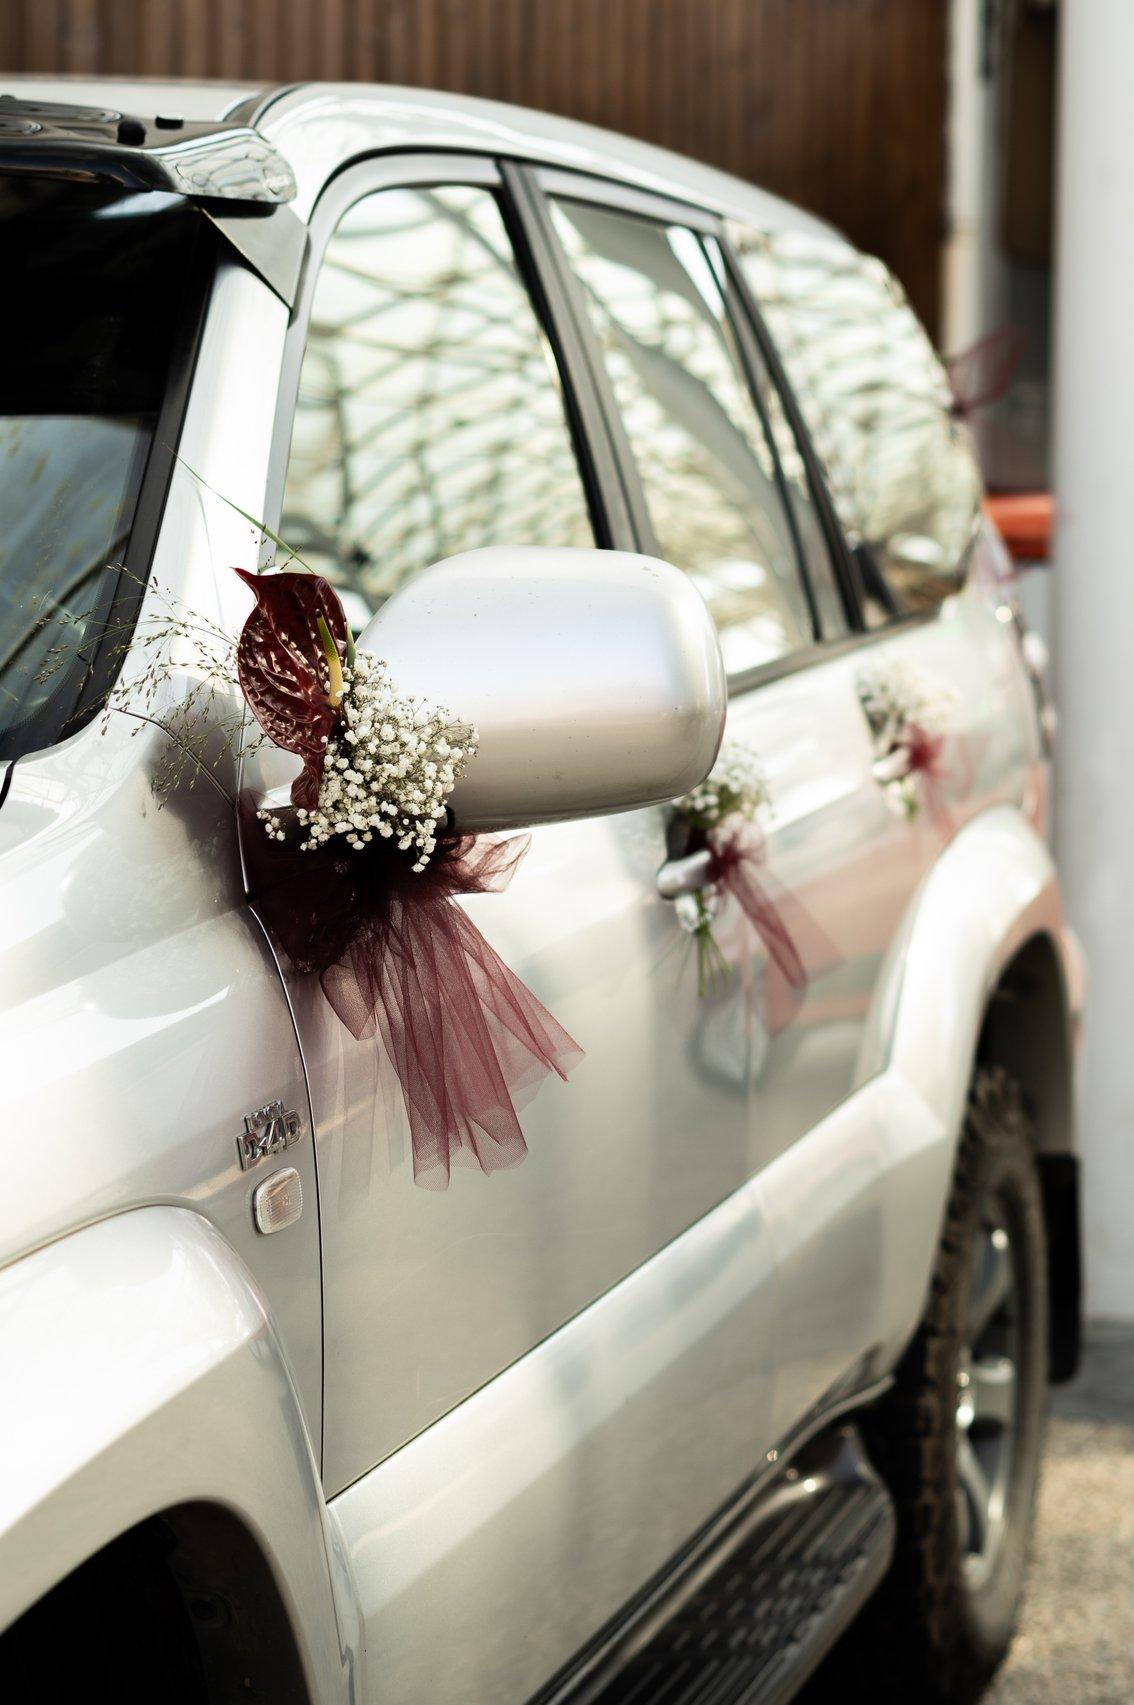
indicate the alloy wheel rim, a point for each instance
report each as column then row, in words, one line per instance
column 987, row 1399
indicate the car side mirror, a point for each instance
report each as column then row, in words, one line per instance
column 594, row 678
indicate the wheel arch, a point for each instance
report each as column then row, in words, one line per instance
column 1028, row 1030
column 187, row 1595
column 983, row 971
column 155, row 1398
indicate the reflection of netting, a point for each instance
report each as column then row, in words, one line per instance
column 707, row 469
column 430, row 418
column 876, row 400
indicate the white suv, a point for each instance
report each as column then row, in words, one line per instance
column 755, row 1343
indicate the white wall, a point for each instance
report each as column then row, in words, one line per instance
column 1094, row 602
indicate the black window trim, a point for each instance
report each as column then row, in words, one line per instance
column 535, row 247
column 640, row 531
column 369, row 175
column 824, row 651
column 555, row 183
column 600, row 444
column 734, row 313
column 849, row 572
column 756, row 327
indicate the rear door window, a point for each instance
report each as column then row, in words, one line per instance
column 901, row 467
column 708, row 471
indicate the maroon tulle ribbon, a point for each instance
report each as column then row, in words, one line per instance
column 984, row 372
column 738, row 852
column 925, row 758
column 399, row 959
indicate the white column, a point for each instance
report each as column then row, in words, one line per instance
column 1094, row 603
column 970, row 259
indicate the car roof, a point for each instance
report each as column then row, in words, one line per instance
column 318, row 127
column 141, row 96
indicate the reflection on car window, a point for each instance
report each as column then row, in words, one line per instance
column 902, row 470
column 90, row 296
column 708, row 472
column 797, row 479
column 430, row 417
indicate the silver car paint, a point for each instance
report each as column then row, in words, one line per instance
column 142, row 1017
column 623, row 640
column 319, row 128
column 140, row 1014
column 148, row 1374
column 842, row 1127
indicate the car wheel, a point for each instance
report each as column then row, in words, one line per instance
column 959, row 1437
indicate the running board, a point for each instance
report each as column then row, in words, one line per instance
column 750, row 1629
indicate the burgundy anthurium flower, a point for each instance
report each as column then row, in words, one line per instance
column 283, row 667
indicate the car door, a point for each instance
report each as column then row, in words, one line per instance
column 442, row 398
column 432, row 415
column 711, row 461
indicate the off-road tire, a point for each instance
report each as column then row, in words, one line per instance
column 930, row 1635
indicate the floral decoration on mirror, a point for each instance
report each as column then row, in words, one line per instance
column 357, row 874
column 360, row 882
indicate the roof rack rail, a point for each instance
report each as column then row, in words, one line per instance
column 205, row 161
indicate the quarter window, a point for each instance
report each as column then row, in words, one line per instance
column 708, row 471
column 430, row 416
column 902, row 470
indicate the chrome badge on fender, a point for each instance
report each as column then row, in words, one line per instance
column 269, row 1130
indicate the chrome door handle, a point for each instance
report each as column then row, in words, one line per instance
column 684, row 875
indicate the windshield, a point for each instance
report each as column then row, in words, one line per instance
column 92, row 292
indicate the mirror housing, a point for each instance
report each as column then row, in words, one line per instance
column 594, row 678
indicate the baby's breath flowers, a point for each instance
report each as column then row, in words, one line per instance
column 893, row 697
column 389, row 767
column 735, row 784
column 735, row 788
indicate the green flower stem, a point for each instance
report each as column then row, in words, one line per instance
column 253, row 520
column 713, row 968
column 334, row 663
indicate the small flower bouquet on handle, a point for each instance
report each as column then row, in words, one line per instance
column 732, row 793
column 907, row 722
column 721, row 817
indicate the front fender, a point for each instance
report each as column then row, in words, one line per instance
column 140, row 1372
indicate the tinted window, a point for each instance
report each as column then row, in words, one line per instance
column 902, row 470
column 430, row 417
column 654, row 297
column 90, row 295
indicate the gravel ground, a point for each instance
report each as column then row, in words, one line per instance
column 1076, row 1640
